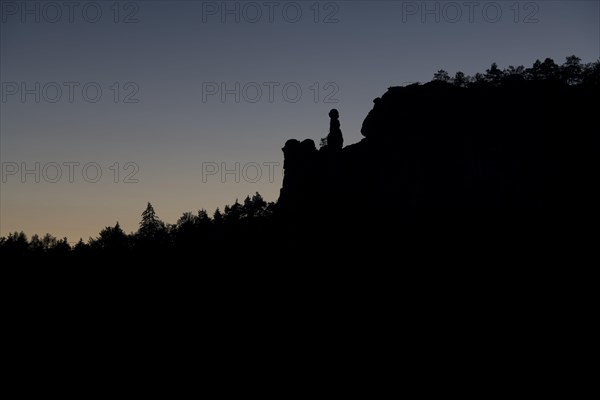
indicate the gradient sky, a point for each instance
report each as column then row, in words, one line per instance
column 174, row 50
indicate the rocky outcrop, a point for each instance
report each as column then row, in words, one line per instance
column 438, row 147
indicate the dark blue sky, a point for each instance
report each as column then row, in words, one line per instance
column 177, row 56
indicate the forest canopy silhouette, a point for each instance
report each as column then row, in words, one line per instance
column 512, row 152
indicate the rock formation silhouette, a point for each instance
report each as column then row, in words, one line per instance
column 335, row 140
column 440, row 155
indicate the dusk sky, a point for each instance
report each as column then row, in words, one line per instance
column 162, row 66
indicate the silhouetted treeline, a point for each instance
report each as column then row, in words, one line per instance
column 572, row 72
column 239, row 225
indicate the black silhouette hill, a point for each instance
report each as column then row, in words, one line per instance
column 508, row 156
